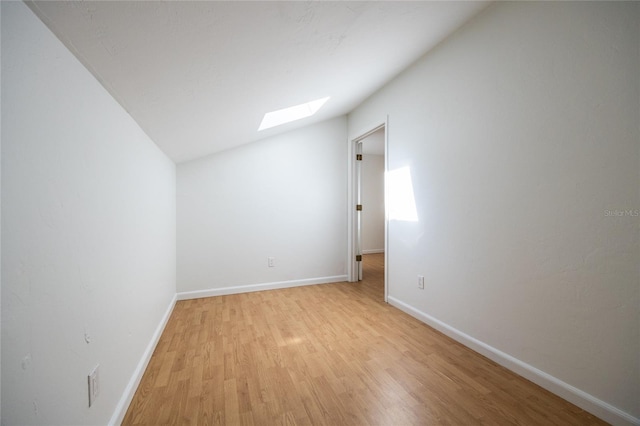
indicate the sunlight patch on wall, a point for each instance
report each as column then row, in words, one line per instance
column 401, row 202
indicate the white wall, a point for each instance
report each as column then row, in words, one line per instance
column 373, row 203
column 0, row 223
column 282, row 197
column 521, row 131
column 88, row 241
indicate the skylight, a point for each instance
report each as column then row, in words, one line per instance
column 287, row 115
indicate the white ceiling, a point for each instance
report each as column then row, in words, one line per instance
column 199, row 76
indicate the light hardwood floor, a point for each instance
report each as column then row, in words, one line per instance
column 332, row 354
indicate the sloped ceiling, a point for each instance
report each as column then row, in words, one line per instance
column 199, row 76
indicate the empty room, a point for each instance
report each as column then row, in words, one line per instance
column 320, row 212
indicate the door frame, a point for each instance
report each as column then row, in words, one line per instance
column 352, row 188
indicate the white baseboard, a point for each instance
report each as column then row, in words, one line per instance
column 258, row 287
column 132, row 386
column 587, row 402
column 373, row 251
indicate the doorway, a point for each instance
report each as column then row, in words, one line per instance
column 368, row 236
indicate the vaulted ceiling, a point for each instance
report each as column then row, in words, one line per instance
column 199, row 76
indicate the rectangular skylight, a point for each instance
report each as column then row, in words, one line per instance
column 287, row 115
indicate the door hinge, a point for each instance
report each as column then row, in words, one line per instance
column 358, row 258
column 359, row 207
column 359, row 157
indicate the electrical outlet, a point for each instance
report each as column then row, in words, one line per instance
column 420, row 282
column 94, row 385
column 271, row 261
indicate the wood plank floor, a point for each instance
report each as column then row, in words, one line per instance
column 330, row 354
